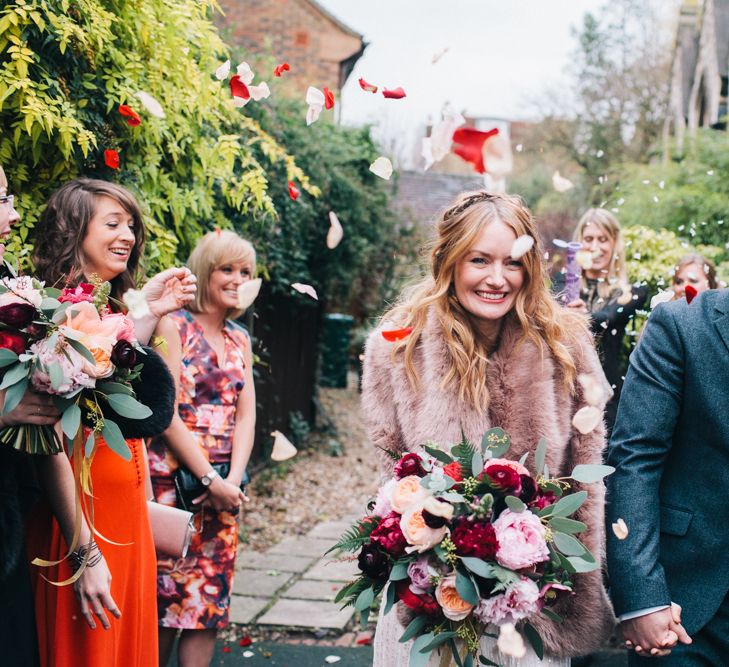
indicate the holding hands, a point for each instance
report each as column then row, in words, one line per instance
column 655, row 634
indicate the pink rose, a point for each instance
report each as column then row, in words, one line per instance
column 519, row 600
column 521, row 540
column 382, row 502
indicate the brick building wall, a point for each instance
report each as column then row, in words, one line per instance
column 300, row 32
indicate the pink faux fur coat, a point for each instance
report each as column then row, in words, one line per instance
column 528, row 399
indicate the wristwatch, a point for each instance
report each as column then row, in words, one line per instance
column 207, row 479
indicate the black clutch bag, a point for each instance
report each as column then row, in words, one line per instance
column 188, row 487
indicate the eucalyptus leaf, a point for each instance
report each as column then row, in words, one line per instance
column 440, row 638
column 534, row 639
column 71, row 420
column 568, row 545
column 55, row 373
column 399, row 571
column 581, row 565
column 365, row 599
column 128, row 407
column 50, row 304
column 551, row 615
column 456, row 655
column 468, row 660
column 59, row 317
column 485, row 661
column 364, row 616
column 477, row 463
column 7, row 357
column 417, row 657
column 590, row 473
column 564, row 525
column 505, row 576
column 479, row 567
column 81, row 349
column 15, row 374
column 89, row 446
column 466, row 588
column 114, row 388
column 415, row 626
column 14, row 395
column 524, row 457
column 565, row 564
column 114, row 438
column 540, row 455
column 389, row 599
column 453, row 497
column 438, row 454
column 569, row 504
column 496, row 441
column 514, row 504
column 52, row 292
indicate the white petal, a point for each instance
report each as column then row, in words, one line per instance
column 312, row 115
column 382, row 167
column 586, row 419
column 591, row 389
column 305, row 289
column 150, row 104
column 662, row 297
column 584, row 259
column 245, row 73
column 335, row 233
column 314, row 96
column 186, row 50
column 427, row 152
column 259, row 92
column 248, row 292
column 222, row 72
column 620, row 529
column 283, row 449
column 240, row 102
column 442, row 135
column 136, row 303
column 331, row 659
column 497, row 157
column 510, row 642
column 560, row 183
column 521, row 246
column 248, row 654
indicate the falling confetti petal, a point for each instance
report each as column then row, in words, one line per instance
column 150, row 104
column 328, row 98
column 136, row 304
column 335, row 233
column 247, row 293
column 691, row 293
column 367, row 86
column 222, row 72
column 560, row 183
column 331, row 659
column 280, row 69
column 260, row 91
column 294, row 192
column 238, row 88
column 427, row 152
column 111, row 158
column 248, row 654
column 510, row 642
column 315, row 99
column 436, row 147
column 521, row 246
column 245, row 640
column 382, row 167
column 132, row 116
column 396, row 334
column 468, row 144
column 591, row 389
column 305, row 289
column 497, row 158
column 437, row 56
column 662, row 297
column 586, row 419
column 620, row 529
column 245, row 73
column 282, row 447
column 584, row 259
column 394, row 94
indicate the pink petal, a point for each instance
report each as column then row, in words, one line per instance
column 335, row 233
column 305, row 289
column 222, row 72
column 259, row 92
column 497, row 157
column 245, row 73
column 587, row 419
column 283, row 449
column 382, row 167
column 521, row 246
column 248, row 292
column 560, row 183
column 394, row 94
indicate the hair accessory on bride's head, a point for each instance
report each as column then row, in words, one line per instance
column 467, row 203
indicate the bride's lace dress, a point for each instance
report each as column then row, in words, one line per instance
column 389, row 652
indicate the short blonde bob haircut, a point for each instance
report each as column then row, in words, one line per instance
column 3, row 180
column 541, row 319
column 214, row 250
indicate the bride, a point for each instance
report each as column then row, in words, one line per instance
column 490, row 347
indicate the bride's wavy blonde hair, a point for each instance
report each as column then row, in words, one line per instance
column 542, row 320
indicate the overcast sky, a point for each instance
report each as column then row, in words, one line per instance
column 501, row 55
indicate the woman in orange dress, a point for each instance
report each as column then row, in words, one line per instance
column 94, row 228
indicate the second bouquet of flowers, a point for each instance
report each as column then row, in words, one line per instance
column 471, row 544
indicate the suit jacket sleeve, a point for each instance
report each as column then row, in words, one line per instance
column 642, row 439
column 378, row 402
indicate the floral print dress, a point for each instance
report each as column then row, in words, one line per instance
column 194, row 592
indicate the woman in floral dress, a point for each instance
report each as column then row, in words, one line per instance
column 210, row 358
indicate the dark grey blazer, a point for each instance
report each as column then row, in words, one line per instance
column 670, row 447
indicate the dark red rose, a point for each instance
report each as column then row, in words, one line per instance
column 543, row 499
column 373, row 562
column 410, row 464
column 426, row 604
column 84, row 292
column 12, row 341
column 475, row 538
column 388, row 535
column 123, row 354
column 504, row 478
column 454, row 471
column 17, row 315
column 529, row 488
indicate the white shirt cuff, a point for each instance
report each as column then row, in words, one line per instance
column 641, row 612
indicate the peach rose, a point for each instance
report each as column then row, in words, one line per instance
column 514, row 465
column 407, row 492
column 418, row 534
column 98, row 335
column 454, row 606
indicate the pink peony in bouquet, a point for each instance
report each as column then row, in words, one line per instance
column 469, row 542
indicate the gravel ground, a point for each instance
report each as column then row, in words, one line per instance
column 292, row 497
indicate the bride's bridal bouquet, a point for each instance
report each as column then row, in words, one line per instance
column 68, row 344
column 471, row 544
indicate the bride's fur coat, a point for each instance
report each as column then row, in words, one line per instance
column 529, row 400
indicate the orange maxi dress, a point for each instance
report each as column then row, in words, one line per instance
column 120, row 515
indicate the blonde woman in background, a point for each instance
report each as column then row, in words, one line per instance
column 694, row 270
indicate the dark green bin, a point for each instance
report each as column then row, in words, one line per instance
column 335, row 350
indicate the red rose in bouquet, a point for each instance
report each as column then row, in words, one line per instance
column 422, row 603
column 504, row 478
column 389, row 535
column 410, row 464
column 12, row 341
column 475, row 538
column 453, row 470
column 17, row 315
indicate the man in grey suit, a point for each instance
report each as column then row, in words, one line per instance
column 670, row 448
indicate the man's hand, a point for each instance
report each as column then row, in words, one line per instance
column 655, row 634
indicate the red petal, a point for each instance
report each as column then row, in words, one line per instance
column 468, row 144
column 280, row 69
column 367, row 86
column 328, row 98
column 132, row 116
column 245, row 640
column 397, row 334
column 226, row 649
column 394, row 94
column 111, row 158
column 691, row 293
column 294, row 192
column 238, row 88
